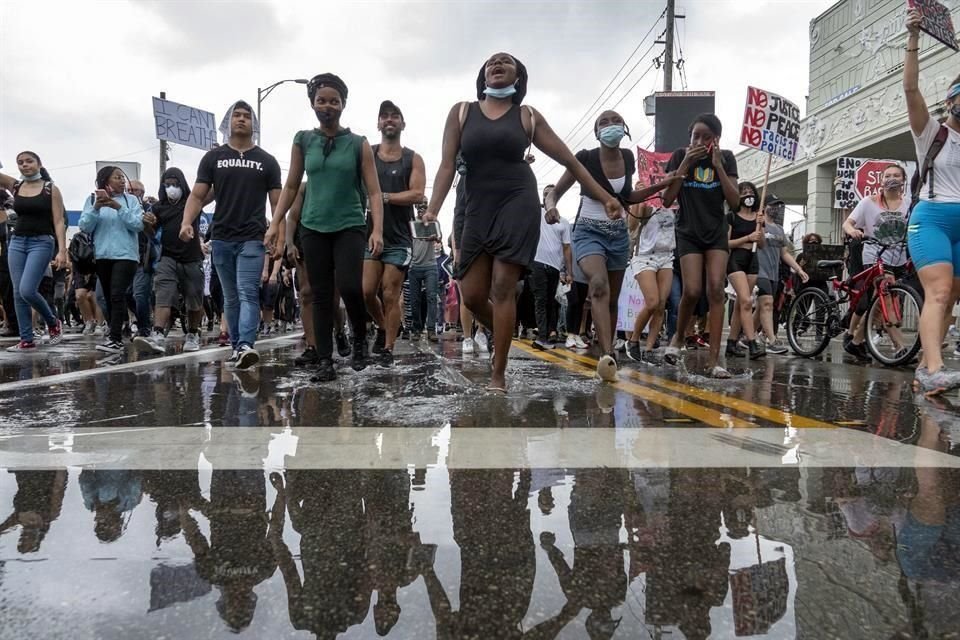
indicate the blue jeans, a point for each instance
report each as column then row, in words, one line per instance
column 28, row 258
column 424, row 276
column 239, row 265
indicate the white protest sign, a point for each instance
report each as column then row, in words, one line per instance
column 771, row 123
column 630, row 303
column 184, row 125
column 859, row 178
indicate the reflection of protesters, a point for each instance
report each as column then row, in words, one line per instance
column 35, row 506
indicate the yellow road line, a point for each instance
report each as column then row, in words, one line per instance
column 777, row 416
column 680, row 406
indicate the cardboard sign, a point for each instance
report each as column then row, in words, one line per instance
column 184, row 125
column 651, row 169
column 936, row 21
column 630, row 302
column 859, row 178
column 771, row 123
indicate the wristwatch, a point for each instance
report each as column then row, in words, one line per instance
column 386, row 198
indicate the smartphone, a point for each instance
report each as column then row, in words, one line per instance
column 425, row 230
column 710, row 148
column 100, row 193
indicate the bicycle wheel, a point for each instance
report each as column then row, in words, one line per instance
column 808, row 322
column 894, row 340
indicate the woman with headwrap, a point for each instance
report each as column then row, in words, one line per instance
column 501, row 224
column 601, row 246
column 342, row 175
column 933, row 235
column 39, row 229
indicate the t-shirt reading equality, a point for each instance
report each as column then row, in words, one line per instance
column 700, row 216
column 946, row 166
column 242, row 181
column 885, row 226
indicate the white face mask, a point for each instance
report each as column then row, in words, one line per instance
column 173, row 192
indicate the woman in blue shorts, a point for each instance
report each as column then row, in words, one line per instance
column 933, row 231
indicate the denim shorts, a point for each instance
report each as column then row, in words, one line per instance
column 607, row 238
column 400, row 257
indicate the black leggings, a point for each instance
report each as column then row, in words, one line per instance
column 576, row 299
column 116, row 277
column 335, row 261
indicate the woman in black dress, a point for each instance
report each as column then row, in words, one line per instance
column 501, row 225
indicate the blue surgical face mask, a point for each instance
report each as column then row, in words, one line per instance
column 503, row 92
column 612, row 135
column 32, row 178
column 955, row 111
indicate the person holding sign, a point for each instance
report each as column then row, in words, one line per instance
column 746, row 239
column 501, row 223
column 601, row 245
column 933, row 235
column 709, row 181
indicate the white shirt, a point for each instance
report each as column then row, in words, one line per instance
column 885, row 226
column 593, row 209
column 659, row 234
column 946, row 166
column 552, row 239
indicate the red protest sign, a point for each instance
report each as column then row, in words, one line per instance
column 936, row 21
column 651, row 169
column 869, row 181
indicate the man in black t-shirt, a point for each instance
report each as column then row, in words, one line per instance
column 244, row 176
column 402, row 181
column 180, row 269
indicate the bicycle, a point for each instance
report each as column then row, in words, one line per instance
column 893, row 317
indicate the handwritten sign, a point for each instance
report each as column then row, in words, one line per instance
column 184, row 125
column 630, row 302
column 651, row 169
column 859, row 178
column 771, row 123
column 936, row 21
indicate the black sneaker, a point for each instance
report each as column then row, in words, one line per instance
column 247, row 357
column 757, row 349
column 379, row 342
column 858, row 351
column 634, row 352
column 325, row 371
column 343, row 345
column 359, row 362
column 111, row 346
column 308, row 358
column 385, row 359
column 432, row 336
column 735, row 350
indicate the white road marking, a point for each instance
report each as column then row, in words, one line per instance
column 462, row 448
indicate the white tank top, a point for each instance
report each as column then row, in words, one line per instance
column 593, row 209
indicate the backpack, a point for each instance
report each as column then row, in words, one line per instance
column 926, row 168
column 47, row 187
column 82, row 253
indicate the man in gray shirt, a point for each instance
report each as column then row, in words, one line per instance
column 769, row 257
column 423, row 274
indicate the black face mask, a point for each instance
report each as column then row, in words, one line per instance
column 749, row 202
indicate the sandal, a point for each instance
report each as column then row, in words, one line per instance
column 498, row 390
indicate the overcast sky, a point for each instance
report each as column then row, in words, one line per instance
column 76, row 77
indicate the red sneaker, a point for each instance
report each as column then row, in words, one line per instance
column 23, row 345
column 702, row 342
column 56, row 333
column 224, row 339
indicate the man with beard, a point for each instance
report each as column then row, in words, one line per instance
column 402, row 181
column 180, row 270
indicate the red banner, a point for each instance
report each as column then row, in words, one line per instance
column 651, row 169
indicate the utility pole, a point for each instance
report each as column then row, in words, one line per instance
column 163, row 147
column 668, row 48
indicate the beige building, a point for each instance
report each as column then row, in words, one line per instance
column 855, row 105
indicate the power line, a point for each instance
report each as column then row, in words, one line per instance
column 152, row 147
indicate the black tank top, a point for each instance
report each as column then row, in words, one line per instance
column 739, row 227
column 394, row 178
column 34, row 213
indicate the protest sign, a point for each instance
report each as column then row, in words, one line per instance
column 859, row 178
column 651, row 169
column 936, row 21
column 771, row 123
column 184, row 125
column 630, row 302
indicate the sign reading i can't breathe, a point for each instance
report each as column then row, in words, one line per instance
column 936, row 21
column 184, row 125
column 771, row 123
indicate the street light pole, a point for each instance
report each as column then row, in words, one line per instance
column 263, row 93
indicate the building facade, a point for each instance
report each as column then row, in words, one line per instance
column 855, row 104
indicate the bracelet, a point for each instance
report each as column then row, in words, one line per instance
column 909, row 50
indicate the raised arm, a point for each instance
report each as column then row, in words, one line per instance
column 916, row 106
column 448, row 161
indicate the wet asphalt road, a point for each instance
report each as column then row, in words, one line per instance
column 177, row 497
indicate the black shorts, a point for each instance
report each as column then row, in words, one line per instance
column 268, row 295
column 743, row 260
column 766, row 287
column 86, row 281
column 686, row 245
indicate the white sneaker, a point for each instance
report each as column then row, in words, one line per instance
column 619, row 345
column 580, row 343
column 468, row 345
column 481, row 340
column 192, row 342
column 101, row 330
column 570, row 343
column 155, row 342
column 607, row 369
column 89, row 328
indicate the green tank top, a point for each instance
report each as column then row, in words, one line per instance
column 334, row 198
